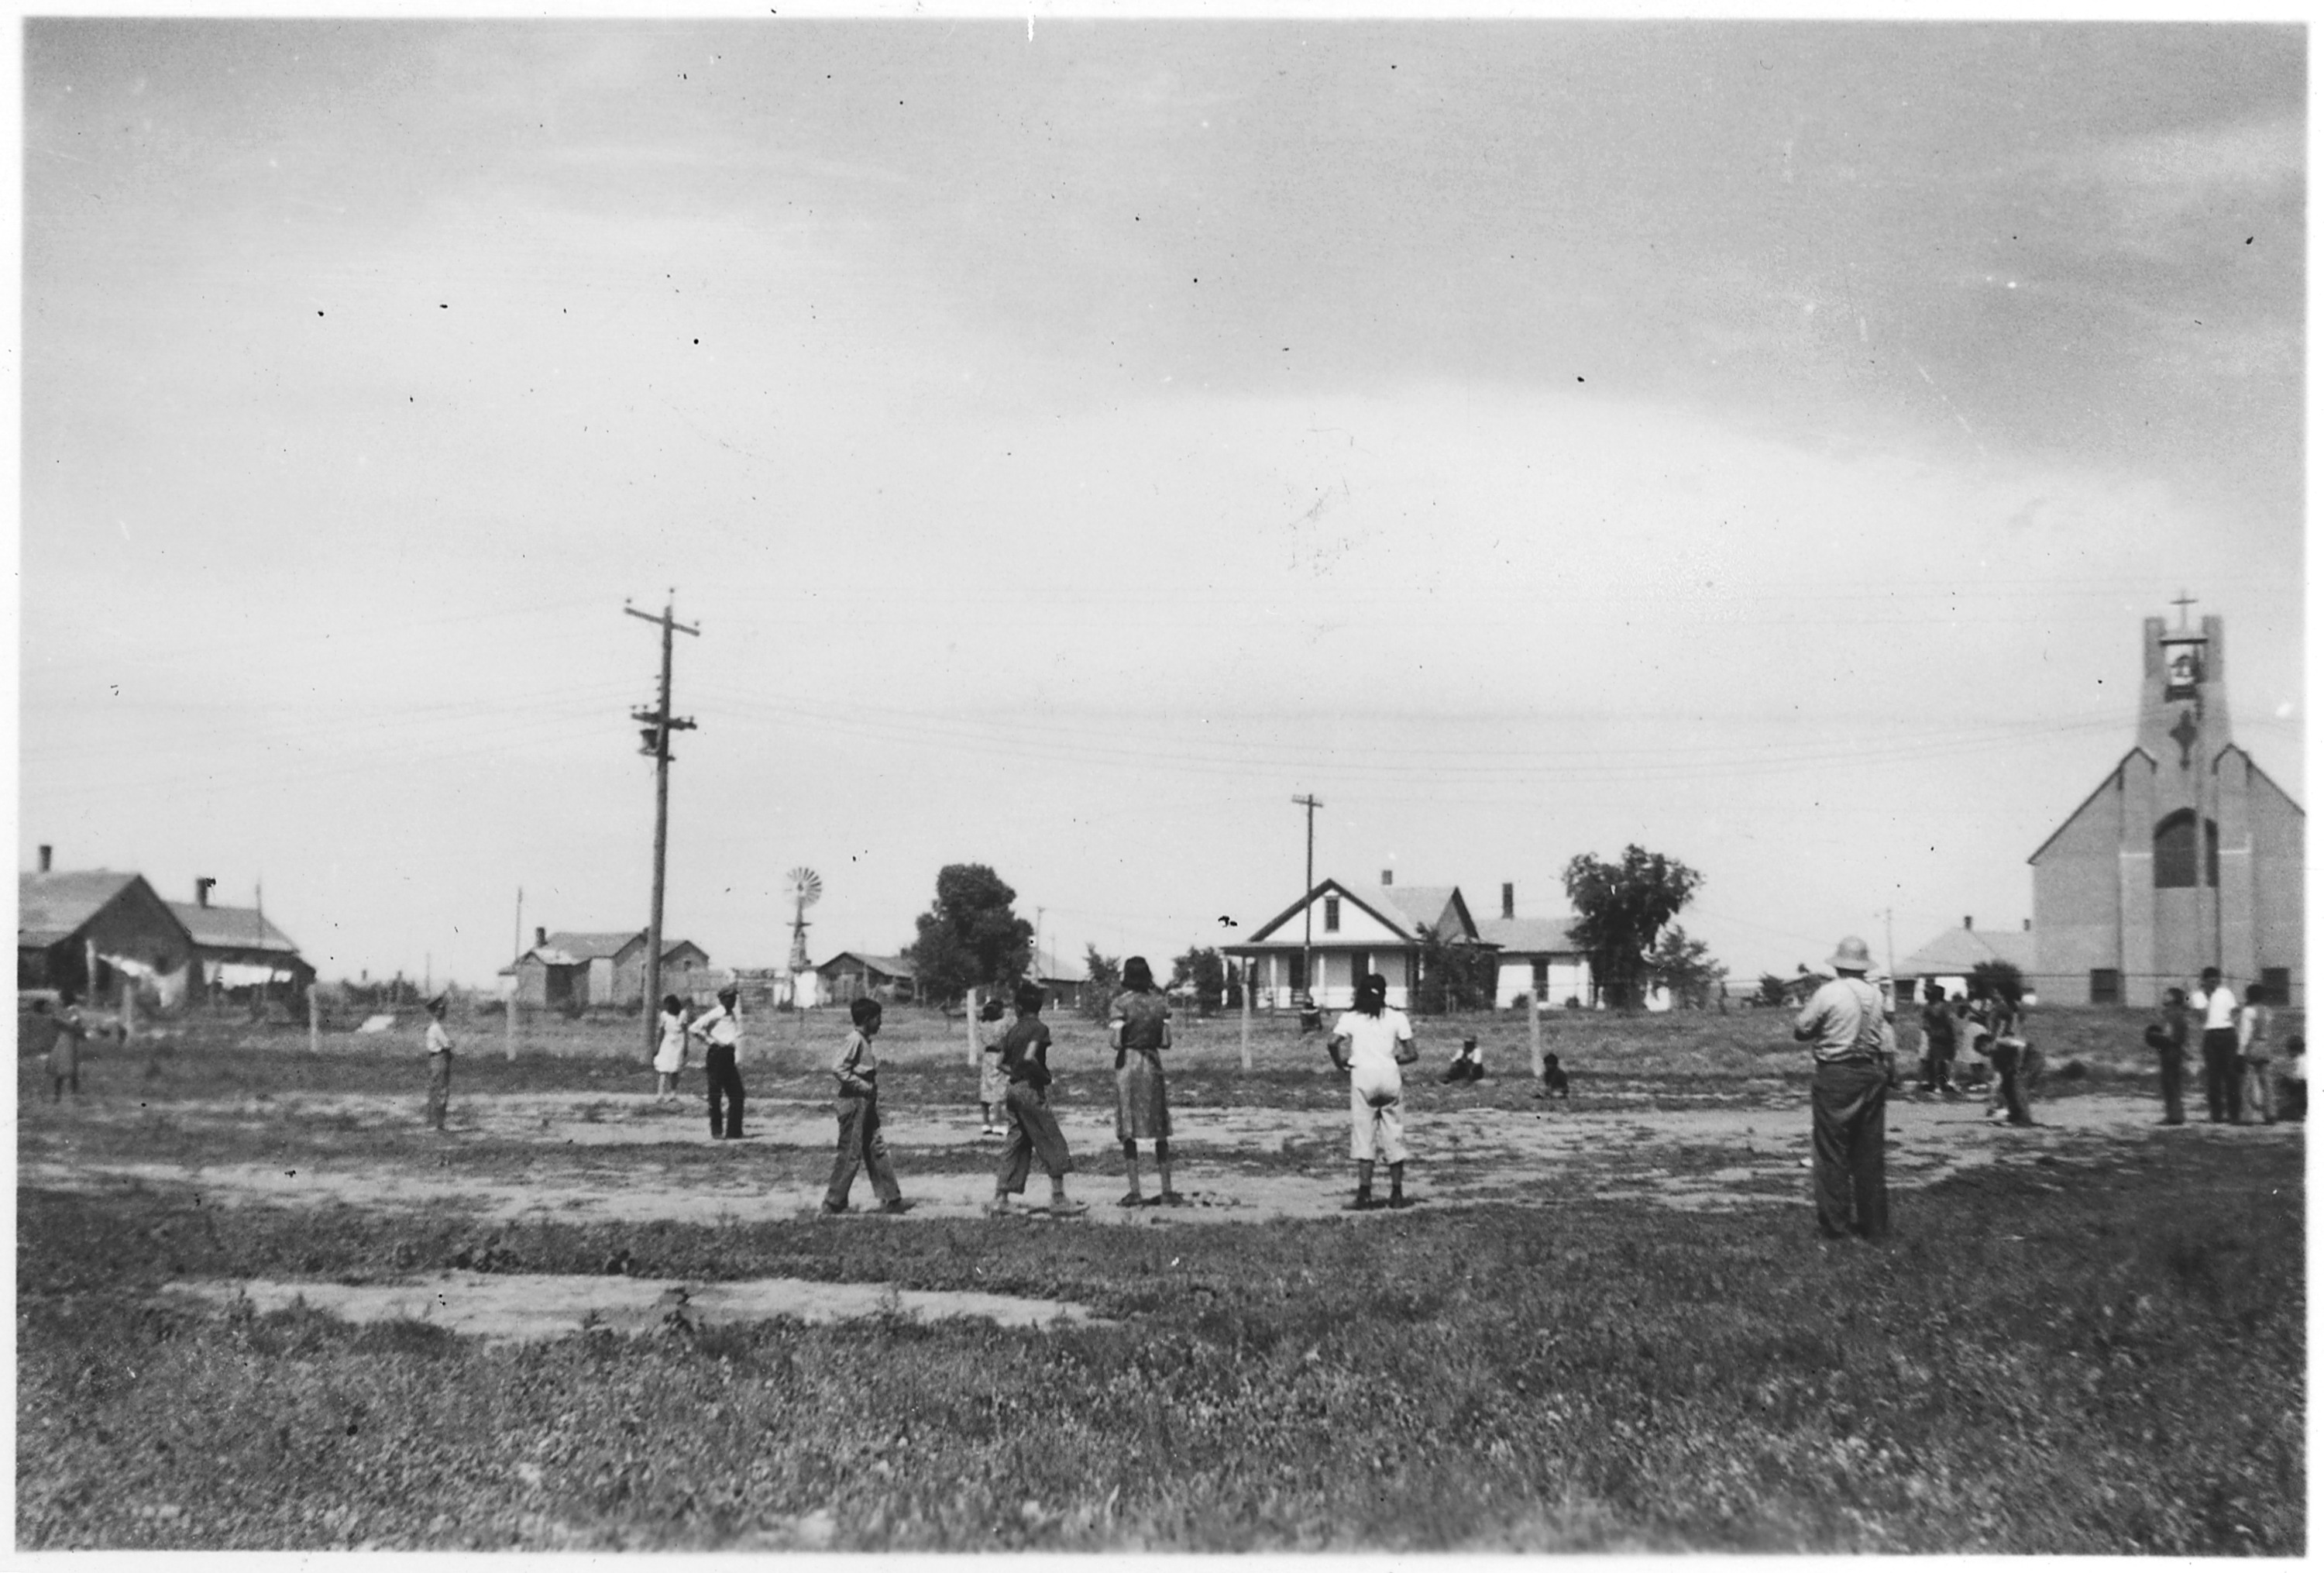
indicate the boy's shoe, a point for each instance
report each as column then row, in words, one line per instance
column 1171, row 1198
column 1131, row 1200
column 1396, row 1198
column 834, row 1206
column 1362, row 1204
column 898, row 1206
column 998, row 1207
column 1062, row 1209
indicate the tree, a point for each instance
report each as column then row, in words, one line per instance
column 1203, row 968
column 1453, row 977
column 970, row 937
column 1104, row 982
column 1623, row 908
column 1682, row 965
column 1771, row 990
column 2000, row 979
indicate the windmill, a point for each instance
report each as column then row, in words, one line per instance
column 805, row 888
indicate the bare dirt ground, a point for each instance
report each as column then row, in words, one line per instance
column 590, row 1157
column 520, row 1305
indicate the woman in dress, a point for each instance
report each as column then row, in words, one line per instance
column 669, row 1055
column 1140, row 1030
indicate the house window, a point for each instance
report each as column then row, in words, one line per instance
column 1331, row 914
column 2106, row 985
column 2174, row 852
column 1540, row 975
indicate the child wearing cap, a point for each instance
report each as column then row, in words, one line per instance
column 861, row 1144
column 439, row 1064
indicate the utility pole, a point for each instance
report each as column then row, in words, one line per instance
column 516, row 973
column 1308, row 912
column 659, row 724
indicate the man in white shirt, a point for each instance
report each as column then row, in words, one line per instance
column 720, row 1029
column 2223, row 1088
column 1372, row 1043
column 439, row 1064
column 1846, row 1023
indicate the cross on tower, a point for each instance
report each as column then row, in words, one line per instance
column 2182, row 603
column 2184, row 734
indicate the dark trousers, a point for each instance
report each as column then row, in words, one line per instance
column 439, row 1088
column 1032, row 1129
column 861, row 1145
column 725, row 1090
column 2222, row 1076
column 1850, row 1104
column 1937, row 1066
column 2174, row 1086
column 2295, row 1095
column 2009, row 1069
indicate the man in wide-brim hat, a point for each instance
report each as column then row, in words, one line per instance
column 1847, row 1023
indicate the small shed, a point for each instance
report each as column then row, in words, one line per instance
column 576, row 969
column 236, row 948
column 854, row 974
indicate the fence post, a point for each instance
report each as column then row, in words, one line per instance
column 973, row 1058
column 1533, row 1013
column 1246, row 1018
column 314, row 1022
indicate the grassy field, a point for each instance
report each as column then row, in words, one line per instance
column 2098, row 1350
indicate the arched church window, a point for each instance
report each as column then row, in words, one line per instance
column 2174, row 852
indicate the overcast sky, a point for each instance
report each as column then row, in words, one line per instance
column 1758, row 441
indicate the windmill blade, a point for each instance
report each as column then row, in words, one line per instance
column 805, row 886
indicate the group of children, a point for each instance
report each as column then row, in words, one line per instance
column 1993, row 1023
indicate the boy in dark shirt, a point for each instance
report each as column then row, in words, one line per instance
column 1032, row 1128
column 1937, row 1040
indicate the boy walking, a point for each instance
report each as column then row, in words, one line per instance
column 861, row 1144
column 1032, row 1128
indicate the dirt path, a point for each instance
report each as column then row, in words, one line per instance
column 590, row 1158
column 540, row 1305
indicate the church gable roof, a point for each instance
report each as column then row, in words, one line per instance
column 2137, row 750
column 2252, row 765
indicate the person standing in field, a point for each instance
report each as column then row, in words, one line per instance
column 2223, row 1090
column 670, row 1052
column 1373, row 1043
column 1139, row 1031
column 64, row 1047
column 1937, row 1041
column 2295, row 1079
column 992, row 1081
column 439, row 1064
column 861, row 1144
column 2252, row 1023
column 2167, row 1039
column 1033, row 1128
column 1849, row 1102
column 721, row 1030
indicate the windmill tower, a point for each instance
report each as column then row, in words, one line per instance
column 805, row 888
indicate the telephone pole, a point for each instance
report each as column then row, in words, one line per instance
column 1308, row 912
column 658, row 724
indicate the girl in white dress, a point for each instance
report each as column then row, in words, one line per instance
column 1372, row 1043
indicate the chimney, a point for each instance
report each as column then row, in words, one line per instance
column 46, row 852
column 541, row 937
column 1508, row 900
column 1387, row 877
column 1968, row 922
column 202, row 883
column 2029, row 925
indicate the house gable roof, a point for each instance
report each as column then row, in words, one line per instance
column 1428, row 906
column 889, row 966
column 232, row 929
column 1401, row 924
column 1530, row 936
column 1956, row 952
column 54, row 906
